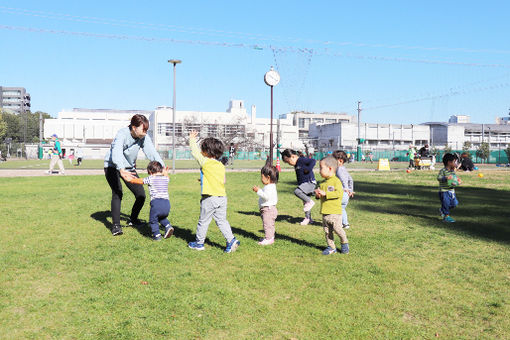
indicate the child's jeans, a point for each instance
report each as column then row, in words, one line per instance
column 448, row 201
column 160, row 208
column 213, row 207
column 345, row 201
column 268, row 215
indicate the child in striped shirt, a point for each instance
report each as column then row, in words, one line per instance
column 347, row 184
column 160, row 203
column 448, row 180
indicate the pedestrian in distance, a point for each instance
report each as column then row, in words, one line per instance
column 56, row 155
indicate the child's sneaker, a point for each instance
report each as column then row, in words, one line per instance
column 232, row 245
column 134, row 222
column 308, row 206
column 196, row 246
column 267, row 242
column 441, row 213
column 116, row 230
column 329, row 251
column 346, row 226
column 448, row 219
column 344, row 249
column 306, row 221
column 169, row 230
column 157, row 237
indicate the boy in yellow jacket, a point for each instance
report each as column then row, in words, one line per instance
column 214, row 198
column 330, row 193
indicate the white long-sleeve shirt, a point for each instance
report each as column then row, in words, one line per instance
column 268, row 195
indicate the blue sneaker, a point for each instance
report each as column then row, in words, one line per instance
column 169, row 230
column 196, row 246
column 448, row 219
column 157, row 237
column 344, row 249
column 441, row 213
column 232, row 245
column 328, row 251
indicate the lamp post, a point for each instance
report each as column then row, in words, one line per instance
column 175, row 62
column 271, row 78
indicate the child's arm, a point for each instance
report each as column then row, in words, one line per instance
column 195, row 151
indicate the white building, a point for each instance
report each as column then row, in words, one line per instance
column 377, row 136
column 94, row 129
column 303, row 120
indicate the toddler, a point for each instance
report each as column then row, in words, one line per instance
column 347, row 184
column 268, row 198
column 330, row 193
column 447, row 181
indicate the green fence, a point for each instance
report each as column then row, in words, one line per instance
column 496, row 156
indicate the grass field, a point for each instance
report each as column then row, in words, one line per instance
column 408, row 274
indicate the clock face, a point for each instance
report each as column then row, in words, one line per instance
column 272, row 78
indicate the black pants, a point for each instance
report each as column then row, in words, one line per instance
column 113, row 177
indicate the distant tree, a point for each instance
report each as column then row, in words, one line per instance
column 483, row 151
column 23, row 127
column 447, row 148
column 3, row 127
column 507, row 151
column 467, row 146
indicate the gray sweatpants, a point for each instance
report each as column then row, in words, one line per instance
column 213, row 207
column 303, row 191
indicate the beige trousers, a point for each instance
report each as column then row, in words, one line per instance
column 333, row 224
column 56, row 159
column 268, row 215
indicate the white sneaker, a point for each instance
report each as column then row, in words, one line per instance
column 346, row 226
column 306, row 221
column 308, row 206
column 267, row 242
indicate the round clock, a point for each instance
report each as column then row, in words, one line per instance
column 272, row 78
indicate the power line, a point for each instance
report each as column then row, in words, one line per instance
column 323, row 52
column 194, row 30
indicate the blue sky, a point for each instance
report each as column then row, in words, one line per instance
column 407, row 61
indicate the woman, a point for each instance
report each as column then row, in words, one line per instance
column 120, row 163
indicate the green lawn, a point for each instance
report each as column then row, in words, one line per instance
column 408, row 275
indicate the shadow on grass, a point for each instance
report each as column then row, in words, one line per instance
column 488, row 206
column 188, row 236
column 278, row 236
column 103, row 216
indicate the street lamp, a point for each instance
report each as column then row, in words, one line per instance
column 175, row 62
column 271, row 78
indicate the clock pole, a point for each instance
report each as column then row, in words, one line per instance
column 271, row 131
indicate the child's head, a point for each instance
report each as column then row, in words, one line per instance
column 340, row 156
column 449, row 160
column 328, row 166
column 269, row 174
column 212, row 147
column 290, row 156
column 154, row 168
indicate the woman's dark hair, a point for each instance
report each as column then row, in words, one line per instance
column 271, row 172
column 138, row 120
column 212, row 147
column 448, row 157
column 340, row 154
column 154, row 167
column 287, row 153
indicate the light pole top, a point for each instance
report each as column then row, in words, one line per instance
column 175, row 61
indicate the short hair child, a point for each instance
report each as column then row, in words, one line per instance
column 447, row 181
column 268, row 198
column 214, row 197
column 305, row 178
column 330, row 193
column 347, row 183
column 160, row 203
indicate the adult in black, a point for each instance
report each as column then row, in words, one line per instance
column 120, row 163
column 466, row 163
column 424, row 151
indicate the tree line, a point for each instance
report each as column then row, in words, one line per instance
column 20, row 128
